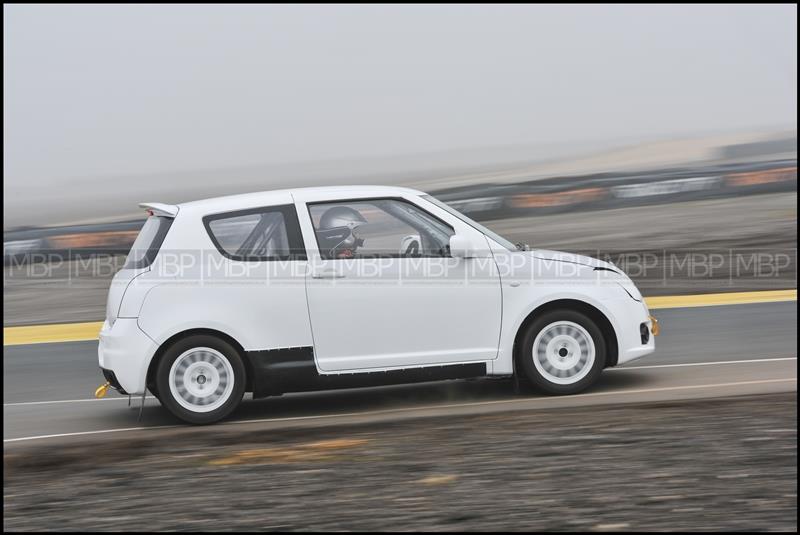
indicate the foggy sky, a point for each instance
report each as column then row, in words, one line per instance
column 113, row 90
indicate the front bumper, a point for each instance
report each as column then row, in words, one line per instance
column 629, row 315
column 126, row 351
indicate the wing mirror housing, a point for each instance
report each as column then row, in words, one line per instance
column 463, row 247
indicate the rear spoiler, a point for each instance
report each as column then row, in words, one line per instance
column 157, row 208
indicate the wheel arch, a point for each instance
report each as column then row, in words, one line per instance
column 594, row 313
column 151, row 368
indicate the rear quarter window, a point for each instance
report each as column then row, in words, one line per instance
column 269, row 233
column 148, row 242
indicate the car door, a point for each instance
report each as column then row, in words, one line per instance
column 395, row 297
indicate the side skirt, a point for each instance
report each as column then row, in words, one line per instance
column 277, row 371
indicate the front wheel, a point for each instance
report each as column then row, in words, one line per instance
column 201, row 379
column 563, row 352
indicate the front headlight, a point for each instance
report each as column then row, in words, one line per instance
column 631, row 291
column 629, row 287
column 614, row 274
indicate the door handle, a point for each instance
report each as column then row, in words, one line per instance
column 327, row 275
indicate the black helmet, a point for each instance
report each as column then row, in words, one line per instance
column 336, row 232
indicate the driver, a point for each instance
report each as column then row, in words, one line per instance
column 336, row 234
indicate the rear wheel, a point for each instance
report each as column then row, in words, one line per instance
column 201, row 379
column 563, row 352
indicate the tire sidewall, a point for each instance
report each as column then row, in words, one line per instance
column 165, row 392
column 526, row 354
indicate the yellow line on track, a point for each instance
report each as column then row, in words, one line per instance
column 39, row 334
column 710, row 300
column 77, row 332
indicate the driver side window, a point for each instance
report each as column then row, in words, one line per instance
column 378, row 228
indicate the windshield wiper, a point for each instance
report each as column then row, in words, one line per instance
column 522, row 247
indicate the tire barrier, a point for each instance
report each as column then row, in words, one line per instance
column 607, row 191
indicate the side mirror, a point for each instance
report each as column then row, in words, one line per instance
column 460, row 247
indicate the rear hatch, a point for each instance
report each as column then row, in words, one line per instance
column 141, row 256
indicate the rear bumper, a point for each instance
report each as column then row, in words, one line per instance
column 111, row 378
column 125, row 350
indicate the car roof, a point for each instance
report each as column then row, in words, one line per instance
column 286, row 196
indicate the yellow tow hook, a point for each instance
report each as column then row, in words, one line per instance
column 654, row 326
column 101, row 391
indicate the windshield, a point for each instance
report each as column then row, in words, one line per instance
column 493, row 235
column 148, row 242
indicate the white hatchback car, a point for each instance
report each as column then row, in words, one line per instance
column 319, row 288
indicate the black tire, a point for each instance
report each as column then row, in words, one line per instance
column 154, row 391
column 166, row 395
column 540, row 381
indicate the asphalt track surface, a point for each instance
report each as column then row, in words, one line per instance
column 703, row 352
